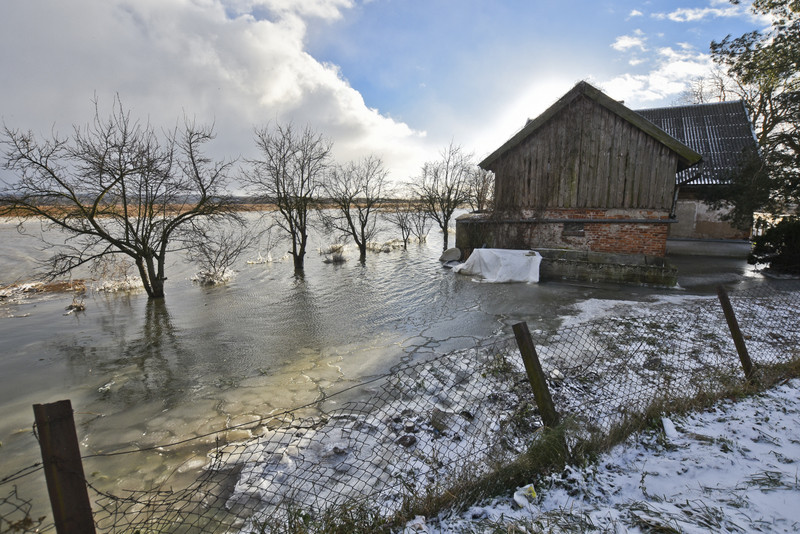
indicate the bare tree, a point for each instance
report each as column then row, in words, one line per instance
column 481, row 189
column 116, row 187
column 289, row 174
column 356, row 190
column 421, row 222
column 442, row 186
column 216, row 250
column 400, row 216
column 715, row 86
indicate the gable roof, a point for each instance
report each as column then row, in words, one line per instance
column 686, row 156
column 720, row 131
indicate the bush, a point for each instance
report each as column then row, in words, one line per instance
column 779, row 247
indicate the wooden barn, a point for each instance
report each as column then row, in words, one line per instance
column 591, row 185
column 722, row 133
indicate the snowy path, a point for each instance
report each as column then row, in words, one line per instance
column 734, row 468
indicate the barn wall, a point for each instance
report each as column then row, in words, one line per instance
column 586, row 157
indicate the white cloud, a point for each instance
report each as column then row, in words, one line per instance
column 635, row 13
column 627, row 42
column 238, row 63
column 675, row 70
column 684, row 14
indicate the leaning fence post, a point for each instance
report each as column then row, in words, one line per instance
column 63, row 469
column 535, row 375
column 736, row 333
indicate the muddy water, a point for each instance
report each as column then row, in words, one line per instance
column 142, row 374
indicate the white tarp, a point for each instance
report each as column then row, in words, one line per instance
column 502, row 265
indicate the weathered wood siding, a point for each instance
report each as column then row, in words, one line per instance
column 586, row 157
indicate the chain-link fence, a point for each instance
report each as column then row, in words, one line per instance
column 425, row 425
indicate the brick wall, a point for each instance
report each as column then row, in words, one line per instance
column 637, row 231
column 625, row 238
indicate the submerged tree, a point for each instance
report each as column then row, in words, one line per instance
column 399, row 215
column 356, row 190
column 116, row 187
column 216, row 249
column 421, row 222
column 290, row 175
column 443, row 187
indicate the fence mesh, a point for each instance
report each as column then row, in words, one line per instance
column 15, row 515
column 424, row 425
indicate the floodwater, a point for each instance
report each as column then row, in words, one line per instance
column 142, row 374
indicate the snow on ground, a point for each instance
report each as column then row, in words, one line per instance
column 595, row 309
column 734, row 468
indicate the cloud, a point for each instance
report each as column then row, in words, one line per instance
column 674, row 70
column 635, row 13
column 237, row 63
column 684, row 14
column 627, row 42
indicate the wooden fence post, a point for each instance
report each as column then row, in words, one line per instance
column 535, row 375
column 66, row 483
column 736, row 333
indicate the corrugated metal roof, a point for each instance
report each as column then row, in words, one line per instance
column 720, row 132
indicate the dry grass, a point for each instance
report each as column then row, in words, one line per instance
column 59, row 286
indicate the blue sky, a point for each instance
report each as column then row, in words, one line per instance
column 397, row 78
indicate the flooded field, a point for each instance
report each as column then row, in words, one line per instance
column 142, row 374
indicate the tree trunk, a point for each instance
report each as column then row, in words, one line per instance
column 153, row 283
column 299, row 260
column 362, row 252
column 446, row 234
column 157, row 287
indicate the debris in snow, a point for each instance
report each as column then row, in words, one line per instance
column 407, row 440
column 525, row 496
column 416, row 526
column 669, row 428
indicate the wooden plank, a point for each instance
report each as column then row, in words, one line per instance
column 589, row 147
column 626, row 168
column 648, row 169
column 614, row 165
column 639, row 173
column 604, row 161
column 558, row 156
column 580, row 111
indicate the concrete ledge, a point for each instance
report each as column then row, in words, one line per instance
column 723, row 248
column 558, row 264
